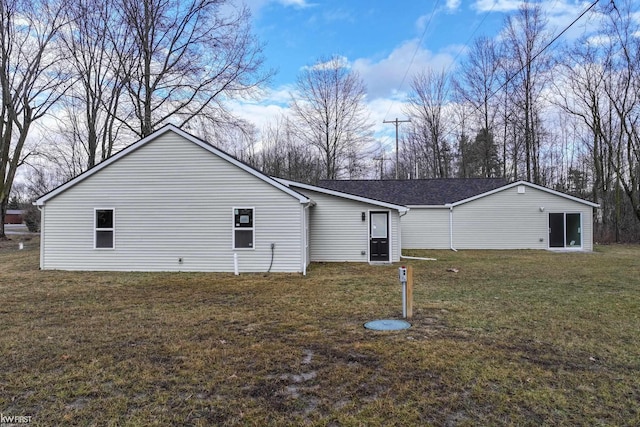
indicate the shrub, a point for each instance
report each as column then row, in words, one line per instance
column 31, row 217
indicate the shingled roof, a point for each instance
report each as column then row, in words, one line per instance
column 429, row 192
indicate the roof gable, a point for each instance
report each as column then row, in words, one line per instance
column 141, row 143
column 417, row 192
column 531, row 185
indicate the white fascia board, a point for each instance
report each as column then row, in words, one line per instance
column 171, row 128
column 399, row 208
column 428, row 206
column 527, row 184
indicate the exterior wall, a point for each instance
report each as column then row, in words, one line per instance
column 150, row 190
column 337, row 232
column 425, row 228
column 509, row 220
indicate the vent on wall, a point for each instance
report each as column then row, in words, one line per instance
column 520, row 189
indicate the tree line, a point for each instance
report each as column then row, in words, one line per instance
column 563, row 115
column 98, row 75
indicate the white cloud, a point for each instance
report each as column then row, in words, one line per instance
column 331, row 64
column 497, row 5
column 386, row 89
column 392, row 75
column 266, row 110
column 453, row 4
column 559, row 14
column 599, row 40
column 381, row 109
column 295, row 3
column 260, row 115
column 256, row 5
column 564, row 13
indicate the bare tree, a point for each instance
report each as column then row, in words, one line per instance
column 30, row 79
column 581, row 94
column 186, row 59
column 93, row 39
column 478, row 82
column 284, row 155
column 426, row 108
column 525, row 40
column 622, row 86
column 329, row 113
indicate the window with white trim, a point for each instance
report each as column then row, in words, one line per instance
column 243, row 229
column 104, row 237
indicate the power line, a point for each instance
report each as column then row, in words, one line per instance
column 415, row 52
column 533, row 58
column 466, row 44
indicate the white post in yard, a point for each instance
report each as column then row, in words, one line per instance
column 235, row 264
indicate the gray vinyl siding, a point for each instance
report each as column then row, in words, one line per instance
column 172, row 199
column 508, row 220
column 425, row 228
column 337, row 232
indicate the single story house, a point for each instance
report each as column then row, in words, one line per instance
column 481, row 213
column 127, row 214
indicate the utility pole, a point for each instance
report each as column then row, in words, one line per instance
column 381, row 159
column 397, row 123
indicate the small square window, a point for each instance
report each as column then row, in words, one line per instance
column 243, row 217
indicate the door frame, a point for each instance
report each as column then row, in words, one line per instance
column 564, row 232
column 389, row 236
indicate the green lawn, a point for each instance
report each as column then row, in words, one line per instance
column 514, row 338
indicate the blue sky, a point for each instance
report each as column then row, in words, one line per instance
column 382, row 40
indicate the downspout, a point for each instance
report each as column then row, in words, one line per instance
column 305, row 235
column 400, row 215
column 451, row 228
column 41, row 209
column 304, row 239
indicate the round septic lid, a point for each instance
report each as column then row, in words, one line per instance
column 387, row 325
